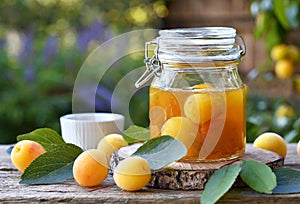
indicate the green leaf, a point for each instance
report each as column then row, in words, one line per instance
column 292, row 13
column 279, row 10
column 54, row 166
column 296, row 125
column 219, row 183
column 275, row 34
column 136, row 134
column 47, row 137
column 262, row 23
column 161, row 151
column 258, row 176
column 288, row 181
column 286, row 12
column 252, row 131
column 292, row 136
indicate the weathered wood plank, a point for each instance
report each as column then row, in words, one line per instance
column 12, row 192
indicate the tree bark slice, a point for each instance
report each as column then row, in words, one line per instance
column 193, row 176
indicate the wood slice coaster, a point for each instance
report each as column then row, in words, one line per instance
column 193, row 176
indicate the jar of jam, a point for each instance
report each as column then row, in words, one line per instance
column 197, row 95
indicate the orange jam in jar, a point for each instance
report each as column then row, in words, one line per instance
column 197, row 95
column 208, row 134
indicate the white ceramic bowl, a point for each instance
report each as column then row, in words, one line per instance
column 87, row 129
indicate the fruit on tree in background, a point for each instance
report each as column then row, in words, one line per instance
column 286, row 57
column 293, row 53
column 285, row 111
column 24, row 152
column 284, row 69
column 279, row 52
column 297, row 83
column 283, row 51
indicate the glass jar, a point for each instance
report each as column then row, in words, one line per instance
column 197, row 95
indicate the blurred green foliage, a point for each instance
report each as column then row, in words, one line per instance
column 63, row 16
column 43, row 43
column 274, row 19
column 272, row 115
column 34, row 95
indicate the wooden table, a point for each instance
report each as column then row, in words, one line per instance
column 70, row 192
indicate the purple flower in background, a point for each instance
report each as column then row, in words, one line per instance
column 96, row 31
column 26, row 57
column 27, row 50
column 2, row 43
column 50, row 48
column 83, row 40
column 103, row 99
column 30, row 73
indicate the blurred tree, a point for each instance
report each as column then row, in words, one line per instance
column 43, row 44
column 275, row 19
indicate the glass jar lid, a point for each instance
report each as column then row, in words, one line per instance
column 192, row 46
column 196, row 45
column 203, row 32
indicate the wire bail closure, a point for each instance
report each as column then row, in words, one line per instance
column 153, row 65
column 242, row 45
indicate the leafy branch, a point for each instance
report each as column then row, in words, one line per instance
column 274, row 19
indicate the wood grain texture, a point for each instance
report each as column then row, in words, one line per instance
column 70, row 192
